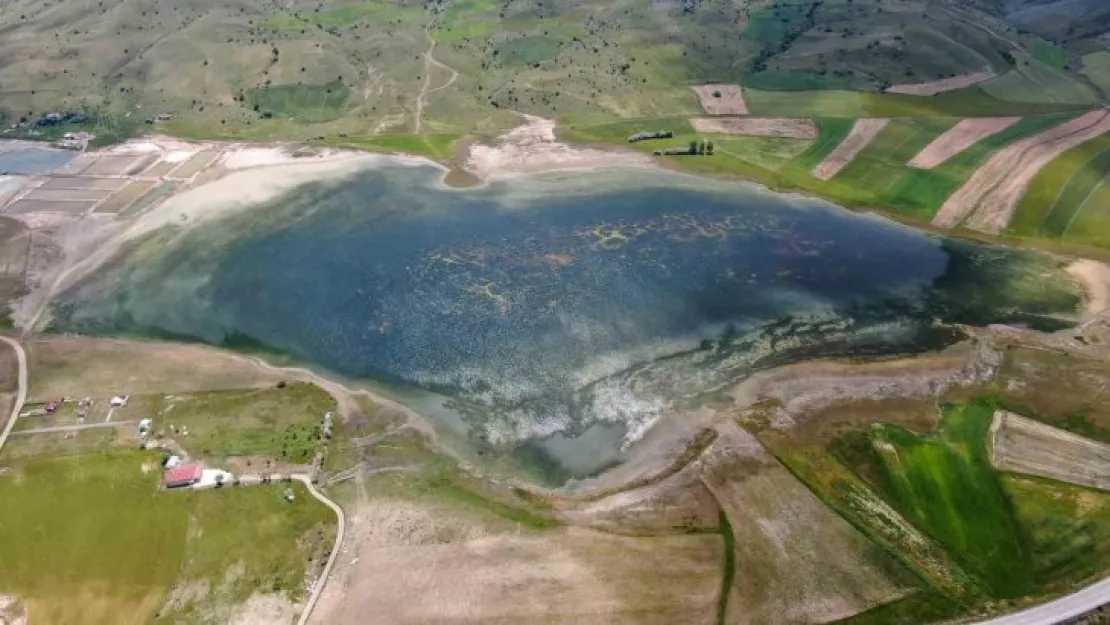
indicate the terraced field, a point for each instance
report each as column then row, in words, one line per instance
column 1067, row 193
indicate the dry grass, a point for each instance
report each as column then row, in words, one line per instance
column 126, row 196
column 863, row 133
column 76, row 367
column 958, row 138
column 1027, row 446
column 940, row 86
column 796, row 560
column 781, row 127
column 566, row 576
column 721, row 99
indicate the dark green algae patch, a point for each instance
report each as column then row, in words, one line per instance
column 552, row 320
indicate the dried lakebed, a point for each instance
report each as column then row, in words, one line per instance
column 549, row 321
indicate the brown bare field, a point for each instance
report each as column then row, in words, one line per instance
column 566, row 576
column 49, row 195
column 73, row 182
column 939, row 86
column 196, row 162
column 49, row 206
column 121, row 200
column 1026, row 446
column 797, row 561
column 76, row 367
column 729, row 102
column 111, row 165
column 958, row 138
column 863, row 133
column 988, row 199
column 784, row 127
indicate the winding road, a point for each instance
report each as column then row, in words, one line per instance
column 323, row 579
column 1054, row 612
column 21, row 394
column 429, row 62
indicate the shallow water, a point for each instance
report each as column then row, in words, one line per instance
column 561, row 316
column 32, row 160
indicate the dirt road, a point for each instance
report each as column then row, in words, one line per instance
column 1060, row 610
column 425, row 90
column 21, row 394
column 323, row 580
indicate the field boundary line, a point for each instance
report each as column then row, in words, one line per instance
column 21, row 392
column 1064, row 187
column 1086, row 201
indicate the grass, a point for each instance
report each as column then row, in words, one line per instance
column 883, row 162
column 1031, row 81
column 231, row 556
column 1068, row 528
column 920, row 607
column 527, row 50
column 947, row 487
column 967, row 102
column 1049, row 53
column 306, row 103
column 279, row 423
column 93, row 542
column 1096, row 67
column 438, row 147
column 341, row 17
column 785, row 80
column 1061, row 188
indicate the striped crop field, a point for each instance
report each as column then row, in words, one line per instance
column 922, row 192
column 1065, row 191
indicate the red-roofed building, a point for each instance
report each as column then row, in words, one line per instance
column 183, row 475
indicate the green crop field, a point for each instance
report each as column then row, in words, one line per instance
column 883, row 162
column 438, row 147
column 310, row 103
column 923, row 192
column 947, row 487
column 1062, row 190
column 95, row 541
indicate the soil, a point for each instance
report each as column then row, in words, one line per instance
column 1026, row 446
column 863, row 133
column 729, row 99
column 945, row 84
column 783, row 127
column 958, row 138
column 1094, row 277
column 533, row 148
column 987, row 200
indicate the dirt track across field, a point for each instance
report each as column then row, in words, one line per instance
column 958, row 138
column 781, row 127
column 1026, row 446
column 728, row 101
column 863, row 133
column 988, row 199
column 940, row 86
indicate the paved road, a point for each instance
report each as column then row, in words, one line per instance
column 323, row 580
column 21, row 394
column 1060, row 610
column 77, row 427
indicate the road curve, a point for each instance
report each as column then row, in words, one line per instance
column 320, row 583
column 1054, row 612
column 21, row 394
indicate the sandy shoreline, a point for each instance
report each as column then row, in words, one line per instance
column 1094, row 278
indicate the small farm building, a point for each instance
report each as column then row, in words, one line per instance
column 183, row 475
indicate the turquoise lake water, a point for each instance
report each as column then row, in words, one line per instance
column 560, row 315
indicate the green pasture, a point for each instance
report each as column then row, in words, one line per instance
column 786, row 80
column 1096, row 67
column 438, row 147
column 1032, row 81
column 527, row 50
column 1062, row 189
column 967, row 102
column 926, row 606
column 95, row 541
column 946, row 486
column 305, row 103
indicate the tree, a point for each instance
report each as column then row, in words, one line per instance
column 693, row 147
column 709, row 147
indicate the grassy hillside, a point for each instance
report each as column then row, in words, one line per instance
column 1067, row 193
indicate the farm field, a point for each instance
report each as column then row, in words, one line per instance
column 1034, row 81
column 124, row 546
column 1064, row 190
column 1022, row 445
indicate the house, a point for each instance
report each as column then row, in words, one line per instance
column 119, row 401
column 52, row 406
column 183, row 475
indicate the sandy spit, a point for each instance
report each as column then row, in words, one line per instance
column 1094, row 277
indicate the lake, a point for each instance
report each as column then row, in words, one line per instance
column 559, row 316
